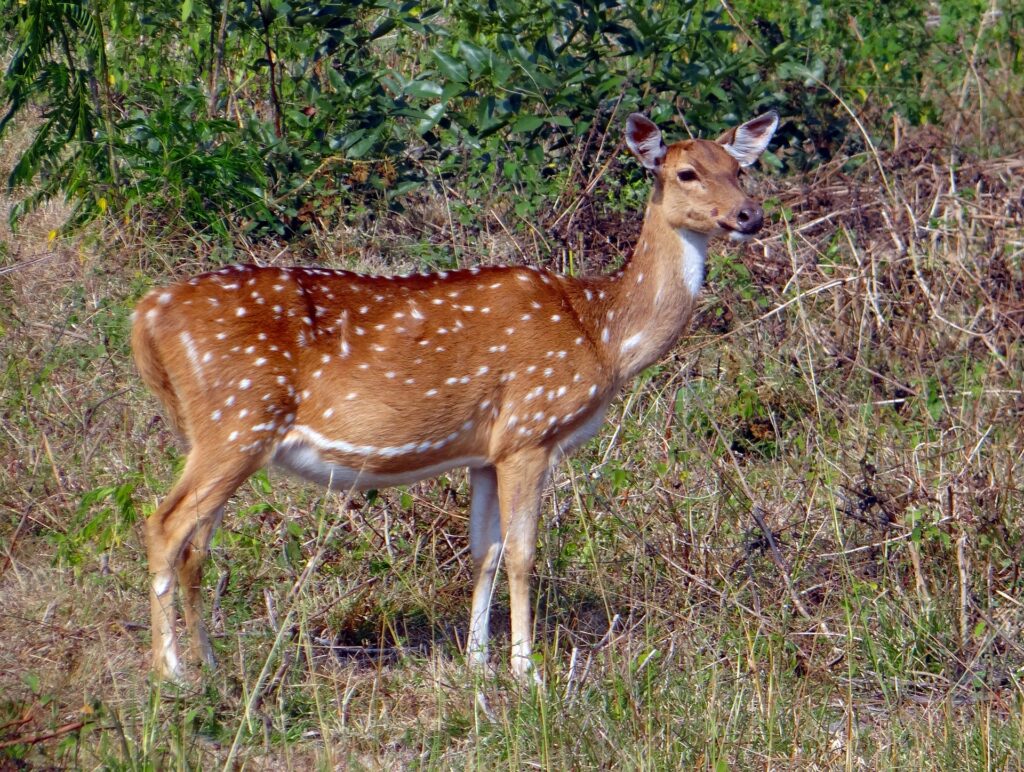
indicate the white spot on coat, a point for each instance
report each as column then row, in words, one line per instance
column 632, row 341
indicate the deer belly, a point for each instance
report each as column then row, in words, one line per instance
column 343, row 466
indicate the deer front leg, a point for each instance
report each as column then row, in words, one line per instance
column 485, row 545
column 521, row 481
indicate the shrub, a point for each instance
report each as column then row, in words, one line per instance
column 254, row 115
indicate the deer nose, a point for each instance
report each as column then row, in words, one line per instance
column 749, row 218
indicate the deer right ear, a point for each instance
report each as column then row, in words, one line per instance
column 644, row 139
column 746, row 143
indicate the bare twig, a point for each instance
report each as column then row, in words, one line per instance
column 38, row 737
column 27, row 263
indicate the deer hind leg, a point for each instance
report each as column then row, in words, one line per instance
column 181, row 525
column 521, row 481
column 190, row 577
column 485, row 545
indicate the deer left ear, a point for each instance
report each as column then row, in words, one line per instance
column 746, row 142
column 644, row 139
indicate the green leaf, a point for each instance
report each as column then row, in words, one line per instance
column 475, row 56
column 361, row 147
column 32, row 681
column 403, row 187
column 527, row 123
column 451, row 68
column 186, row 10
column 423, row 89
column 612, row 85
column 433, row 115
column 383, row 28
column 452, row 90
column 298, row 117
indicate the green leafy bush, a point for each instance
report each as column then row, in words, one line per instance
column 261, row 114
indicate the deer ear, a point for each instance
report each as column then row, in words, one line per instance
column 644, row 139
column 746, row 142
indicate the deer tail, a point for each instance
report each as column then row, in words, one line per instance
column 151, row 365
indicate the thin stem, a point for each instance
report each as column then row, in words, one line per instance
column 274, row 100
column 107, row 101
column 218, row 58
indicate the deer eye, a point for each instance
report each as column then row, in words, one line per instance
column 686, row 175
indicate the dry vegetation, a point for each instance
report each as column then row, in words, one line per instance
column 795, row 545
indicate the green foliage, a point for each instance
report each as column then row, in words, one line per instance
column 186, row 167
column 267, row 115
column 104, row 519
column 60, row 54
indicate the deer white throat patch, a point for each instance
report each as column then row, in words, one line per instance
column 694, row 253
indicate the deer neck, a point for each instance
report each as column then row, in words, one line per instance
column 652, row 299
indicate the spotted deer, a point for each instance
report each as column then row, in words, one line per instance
column 360, row 382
